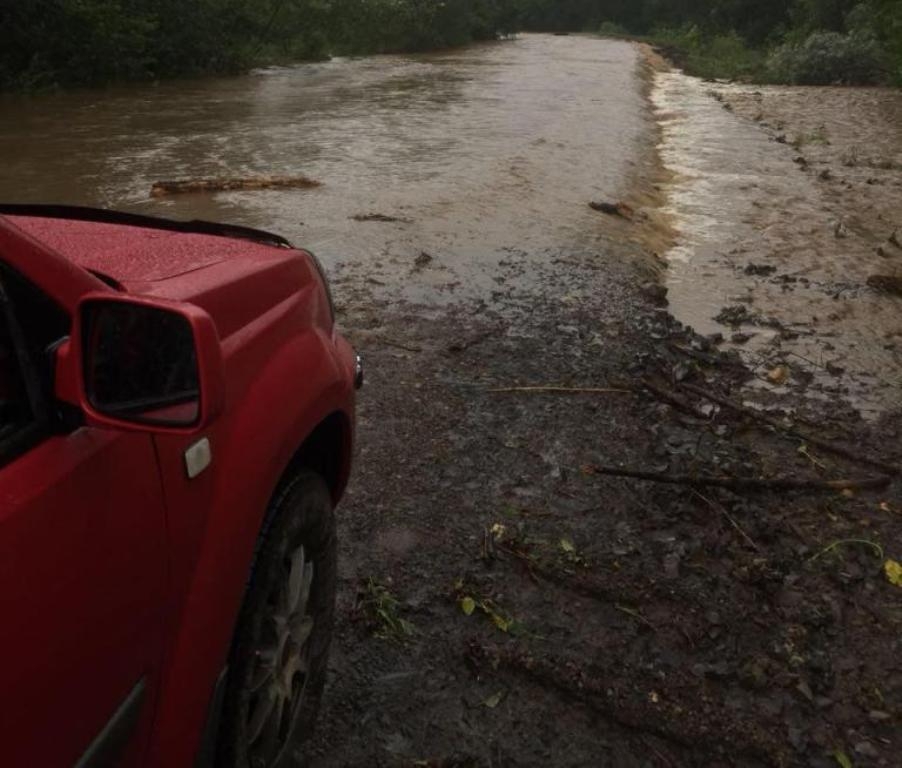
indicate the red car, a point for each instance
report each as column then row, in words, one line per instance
column 176, row 428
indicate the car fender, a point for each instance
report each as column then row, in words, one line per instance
column 215, row 558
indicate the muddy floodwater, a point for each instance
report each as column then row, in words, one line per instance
column 467, row 149
column 786, row 201
column 782, row 200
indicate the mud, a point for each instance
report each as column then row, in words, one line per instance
column 649, row 625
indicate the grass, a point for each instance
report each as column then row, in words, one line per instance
column 713, row 57
column 379, row 608
column 716, row 57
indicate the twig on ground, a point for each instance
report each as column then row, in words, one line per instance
column 564, row 390
column 878, row 550
column 837, row 450
column 674, row 400
column 723, row 510
column 702, row 357
column 636, row 615
column 396, row 344
column 605, row 691
column 808, row 360
column 746, row 483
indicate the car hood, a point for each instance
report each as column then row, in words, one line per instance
column 235, row 280
column 131, row 254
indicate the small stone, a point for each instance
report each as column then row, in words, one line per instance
column 655, row 291
column 778, row 375
column 672, row 566
column 866, row 749
column 762, row 270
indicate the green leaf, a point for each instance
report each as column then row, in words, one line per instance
column 494, row 700
column 893, row 571
column 499, row 621
column 842, row 759
column 467, row 605
column 567, row 546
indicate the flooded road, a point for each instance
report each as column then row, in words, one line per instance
column 478, row 165
column 785, row 200
column 492, row 146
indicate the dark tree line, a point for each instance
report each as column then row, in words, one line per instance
column 64, row 42
column 757, row 21
column 807, row 40
column 44, row 43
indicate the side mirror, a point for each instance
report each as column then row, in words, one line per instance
column 142, row 364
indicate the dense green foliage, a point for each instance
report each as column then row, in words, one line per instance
column 828, row 57
column 44, row 43
column 63, row 42
column 799, row 41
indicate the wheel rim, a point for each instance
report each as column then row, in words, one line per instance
column 278, row 678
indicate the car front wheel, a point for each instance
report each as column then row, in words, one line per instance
column 277, row 667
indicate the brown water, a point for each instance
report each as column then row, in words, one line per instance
column 493, row 146
column 806, row 182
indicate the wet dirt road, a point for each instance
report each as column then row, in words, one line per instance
column 503, row 601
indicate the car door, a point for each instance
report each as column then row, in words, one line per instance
column 83, row 573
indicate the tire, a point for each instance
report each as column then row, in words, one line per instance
column 277, row 667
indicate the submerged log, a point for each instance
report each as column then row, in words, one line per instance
column 886, row 283
column 186, row 186
column 613, row 209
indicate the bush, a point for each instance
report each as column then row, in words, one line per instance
column 825, row 58
column 612, row 29
column 719, row 56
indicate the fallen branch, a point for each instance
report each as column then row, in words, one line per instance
column 674, row 400
column 723, row 510
column 747, row 483
column 620, row 209
column 565, row 390
column 614, row 693
column 179, row 187
column 377, row 217
column 702, row 357
column 837, row 450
